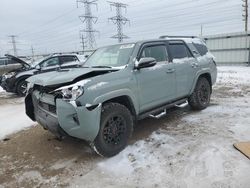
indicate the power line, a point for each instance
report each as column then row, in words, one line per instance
column 119, row 20
column 163, row 10
column 27, row 32
column 89, row 20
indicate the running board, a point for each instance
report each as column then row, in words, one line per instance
column 182, row 105
column 161, row 111
column 160, row 115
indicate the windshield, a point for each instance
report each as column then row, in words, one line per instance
column 111, row 56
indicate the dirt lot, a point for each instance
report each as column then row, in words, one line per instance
column 182, row 149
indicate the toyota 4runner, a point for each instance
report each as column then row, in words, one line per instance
column 119, row 85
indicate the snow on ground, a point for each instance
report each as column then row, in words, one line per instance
column 233, row 75
column 188, row 149
column 13, row 119
column 197, row 151
column 12, row 115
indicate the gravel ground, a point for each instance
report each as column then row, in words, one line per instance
column 182, row 149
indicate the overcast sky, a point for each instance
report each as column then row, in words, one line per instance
column 53, row 25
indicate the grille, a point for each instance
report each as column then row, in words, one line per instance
column 42, row 89
column 48, row 107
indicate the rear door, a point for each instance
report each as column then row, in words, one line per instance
column 186, row 67
column 12, row 65
column 69, row 61
column 156, row 85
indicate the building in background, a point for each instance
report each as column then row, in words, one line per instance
column 230, row 48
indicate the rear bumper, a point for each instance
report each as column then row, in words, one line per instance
column 63, row 118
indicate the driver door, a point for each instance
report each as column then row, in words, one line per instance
column 156, row 85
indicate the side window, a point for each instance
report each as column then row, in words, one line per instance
column 68, row 59
column 2, row 62
column 202, row 49
column 11, row 62
column 50, row 62
column 158, row 52
column 179, row 50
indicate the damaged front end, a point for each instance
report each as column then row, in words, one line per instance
column 59, row 111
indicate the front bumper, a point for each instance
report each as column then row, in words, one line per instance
column 7, row 85
column 64, row 118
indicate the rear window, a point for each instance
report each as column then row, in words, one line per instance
column 179, row 50
column 202, row 49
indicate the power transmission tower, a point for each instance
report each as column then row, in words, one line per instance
column 13, row 42
column 119, row 20
column 245, row 13
column 82, row 42
column 89, row 20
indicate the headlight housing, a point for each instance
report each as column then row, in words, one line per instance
column 9, row 75
column 73, row 93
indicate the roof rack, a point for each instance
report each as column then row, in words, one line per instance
column 167, row 36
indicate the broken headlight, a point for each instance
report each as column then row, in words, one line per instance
column 72, row 93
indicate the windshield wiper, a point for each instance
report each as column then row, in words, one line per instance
column 102, row 66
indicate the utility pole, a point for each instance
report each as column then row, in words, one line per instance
column 32, row 53
column 201, row 30
column 13, row 42
column 119, row 20
column 89, row 20
column 245, row 14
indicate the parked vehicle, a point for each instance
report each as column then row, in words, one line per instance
column 7, row 65
column 14, row 80
column 119, row 85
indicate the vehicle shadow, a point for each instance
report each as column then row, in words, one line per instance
column 146, row 127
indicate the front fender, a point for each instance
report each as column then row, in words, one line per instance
column 78, row 122
column 118, row 93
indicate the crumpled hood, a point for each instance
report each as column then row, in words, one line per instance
column 62, row 76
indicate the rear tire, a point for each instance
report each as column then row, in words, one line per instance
column 200, row 98
column 21, row 88
column 116, row 127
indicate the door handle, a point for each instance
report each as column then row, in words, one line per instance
column 170, row 71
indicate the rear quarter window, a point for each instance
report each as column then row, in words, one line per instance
column 202, row 49
column 179, row 50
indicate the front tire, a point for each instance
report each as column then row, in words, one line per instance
column 21, row 88
column 200, row 98
column 116, row 127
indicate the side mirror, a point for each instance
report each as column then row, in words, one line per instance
column 146, row 62
column 38, row 67
column 86, row 56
